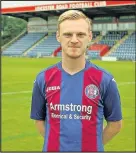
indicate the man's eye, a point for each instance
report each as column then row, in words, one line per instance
column 67, row 34
column 80, row 35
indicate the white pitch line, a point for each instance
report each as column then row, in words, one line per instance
column 4, row 83
column 128, row 98
column 125, row 83
column 12, row 93
column 29, row 91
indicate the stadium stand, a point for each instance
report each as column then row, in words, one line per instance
column 112, row 37
column 95, row 34
column 111, row 27
column 22, row 44
column 126, row 51
column 46, row 47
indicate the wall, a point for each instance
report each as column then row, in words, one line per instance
column 113, row 26
column 37, row 24
column 52, row 23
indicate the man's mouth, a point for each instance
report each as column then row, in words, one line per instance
column 74, row 47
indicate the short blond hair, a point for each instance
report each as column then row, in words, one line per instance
column 73, row 15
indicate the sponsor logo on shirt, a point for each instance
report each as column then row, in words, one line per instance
column 53, row 88
column 71, row 107
column 91, row 91
column 70, row 111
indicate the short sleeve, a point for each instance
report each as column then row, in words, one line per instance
column 112, row 103
column 38, row 103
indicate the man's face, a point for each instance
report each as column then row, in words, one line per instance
column 74, row 36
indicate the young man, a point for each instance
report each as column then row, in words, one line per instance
column 71, row 98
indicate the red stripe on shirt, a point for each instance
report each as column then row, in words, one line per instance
column 53, row 81
column 89, row 127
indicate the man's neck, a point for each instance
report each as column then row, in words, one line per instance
column 73, row 66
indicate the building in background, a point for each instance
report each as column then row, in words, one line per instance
column 113, row 28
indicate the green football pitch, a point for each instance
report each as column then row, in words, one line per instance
column 18, row 130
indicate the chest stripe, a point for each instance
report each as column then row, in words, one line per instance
column 89, row 128
column 52, row 85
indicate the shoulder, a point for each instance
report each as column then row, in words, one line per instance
column 100, row 75
column 106, row 75
column 40, row 77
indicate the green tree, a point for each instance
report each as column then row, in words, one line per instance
column 11, row 27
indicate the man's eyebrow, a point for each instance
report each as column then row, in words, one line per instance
column 72, row 33
column 81, row 33
column 67, row 32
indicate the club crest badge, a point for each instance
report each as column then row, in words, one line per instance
column 91, row 91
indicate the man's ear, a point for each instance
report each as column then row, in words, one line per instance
column 58, row 36
column 90, row 36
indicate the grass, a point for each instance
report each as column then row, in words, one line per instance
column 18, row 130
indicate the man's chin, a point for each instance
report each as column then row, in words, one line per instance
column 74, row 56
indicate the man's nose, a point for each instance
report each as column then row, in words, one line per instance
column 74, row 39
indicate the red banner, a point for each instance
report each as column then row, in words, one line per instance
column 118, row 3
column 73, row 5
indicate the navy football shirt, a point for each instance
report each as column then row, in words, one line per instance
column 74, row 106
